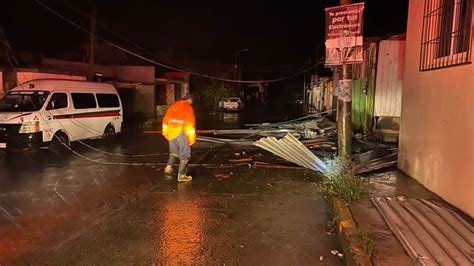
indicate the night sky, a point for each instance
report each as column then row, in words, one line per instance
column 276, row 34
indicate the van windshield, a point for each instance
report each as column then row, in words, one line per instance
column 23, row 101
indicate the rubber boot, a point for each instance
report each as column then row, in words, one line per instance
column 182, row 177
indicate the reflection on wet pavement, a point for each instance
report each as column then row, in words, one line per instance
column 181, row 230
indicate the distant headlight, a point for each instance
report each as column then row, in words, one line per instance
column 30, row 127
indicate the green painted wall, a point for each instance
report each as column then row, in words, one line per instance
column 363, row 94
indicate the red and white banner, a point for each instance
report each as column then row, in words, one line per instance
column 344, row 34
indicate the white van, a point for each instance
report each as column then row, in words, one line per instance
column 46, row 112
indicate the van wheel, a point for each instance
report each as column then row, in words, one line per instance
column 59, row 143
column 109, row 133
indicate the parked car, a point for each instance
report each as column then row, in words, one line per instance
column 231, row 104
column 52, row 112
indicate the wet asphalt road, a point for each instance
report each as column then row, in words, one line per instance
column 67, row 210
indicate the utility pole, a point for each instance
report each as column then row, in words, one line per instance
column 92, row 31
column 344, row 109
column 304, row 93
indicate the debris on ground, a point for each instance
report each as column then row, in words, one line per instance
column 336, row 252
column 305, row 141
column 242, row 160
column 222, row 176
column 259, row 164
column 378, row 163
column 313, row 128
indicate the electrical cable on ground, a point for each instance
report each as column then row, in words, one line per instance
column 147, row 163
column 123, row 155
column 119, row 163
column 171, row 67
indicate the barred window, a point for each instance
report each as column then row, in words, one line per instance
column 446, row 37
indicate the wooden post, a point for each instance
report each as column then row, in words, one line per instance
column 344, row 110
column 344, row 115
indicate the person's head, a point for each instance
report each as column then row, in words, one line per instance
column 188, row 97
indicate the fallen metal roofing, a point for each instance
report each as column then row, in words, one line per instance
column 377, row 163
column 291, row 149
column 431, row 233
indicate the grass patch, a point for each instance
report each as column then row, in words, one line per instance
column 366, row 241
column 341, row 180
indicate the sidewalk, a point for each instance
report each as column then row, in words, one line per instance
column 389, row 183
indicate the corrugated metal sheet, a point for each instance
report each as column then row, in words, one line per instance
column 321, row 94
column 292, row 150
column 431, row 233
column 388, row 85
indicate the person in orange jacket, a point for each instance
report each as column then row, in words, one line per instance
column 179, row 129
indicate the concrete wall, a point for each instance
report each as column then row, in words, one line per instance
column 138, row 74
column 145, row 99
column 437, row 122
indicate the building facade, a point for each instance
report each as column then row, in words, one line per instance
column 437, row 121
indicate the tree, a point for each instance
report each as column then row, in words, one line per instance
column 209, row 92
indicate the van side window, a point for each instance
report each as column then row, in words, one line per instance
column 107, row 100
column 57, row 101
column 83, row 100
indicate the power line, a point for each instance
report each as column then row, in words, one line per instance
column 171, row 67
column 118, row 35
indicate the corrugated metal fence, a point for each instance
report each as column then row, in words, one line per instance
column 388, row 88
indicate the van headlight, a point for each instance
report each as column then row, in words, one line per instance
column 30, row 127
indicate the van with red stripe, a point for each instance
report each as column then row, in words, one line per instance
column 53, row 112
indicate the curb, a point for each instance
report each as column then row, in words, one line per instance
column 347, row 231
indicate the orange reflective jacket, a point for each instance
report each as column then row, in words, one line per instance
column 180, row 118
